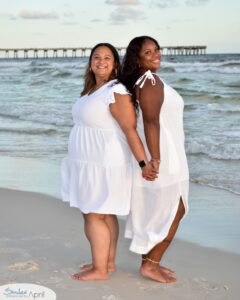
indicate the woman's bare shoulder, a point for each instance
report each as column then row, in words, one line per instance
column 153, row 83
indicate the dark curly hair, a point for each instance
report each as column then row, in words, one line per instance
column 130, row 71
column 89, row 77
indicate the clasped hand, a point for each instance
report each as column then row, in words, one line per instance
column 150, row 171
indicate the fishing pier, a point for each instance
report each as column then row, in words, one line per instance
column 85, row 52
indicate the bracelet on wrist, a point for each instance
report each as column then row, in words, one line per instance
column 156, row 159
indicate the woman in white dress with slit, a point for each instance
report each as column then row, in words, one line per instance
column 157, row 207
column 97, row 171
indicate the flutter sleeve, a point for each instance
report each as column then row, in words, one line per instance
column 117, row 88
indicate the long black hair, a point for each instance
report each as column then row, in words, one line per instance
column 89, row 77
column 130, row 71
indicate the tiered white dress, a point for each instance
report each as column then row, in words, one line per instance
column 97, row 171
column 154, row 204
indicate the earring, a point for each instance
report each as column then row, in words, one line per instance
column 90, row 69
column 115, row 70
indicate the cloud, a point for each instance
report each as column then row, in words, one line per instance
column 122, row 2
column 196, row 2
column 174, row 3
column 122, row 15
column 25, row 14
column 163, row 3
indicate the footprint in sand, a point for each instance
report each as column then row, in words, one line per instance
column 24, row 266
column 205, row 284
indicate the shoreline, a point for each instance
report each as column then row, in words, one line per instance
column 8, row 161
column 42, row 242
column 213, row 219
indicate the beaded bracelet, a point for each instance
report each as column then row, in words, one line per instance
column 156, row 159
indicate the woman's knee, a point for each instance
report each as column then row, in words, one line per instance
column 110, row 217
column 90, row 217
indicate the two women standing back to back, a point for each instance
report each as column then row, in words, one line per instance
column 97, row 172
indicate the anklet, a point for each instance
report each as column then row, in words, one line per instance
column 152, row 261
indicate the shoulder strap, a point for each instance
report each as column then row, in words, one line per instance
column 144, row 77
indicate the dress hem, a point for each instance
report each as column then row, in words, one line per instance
column 149, row 245
column 110, row 212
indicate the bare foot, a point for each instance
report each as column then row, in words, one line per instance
column 111, row 267
column 90, row 274
column 156, row 274
column 167, row 270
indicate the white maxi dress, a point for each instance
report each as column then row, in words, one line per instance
column 154, row 204
column 96, row 173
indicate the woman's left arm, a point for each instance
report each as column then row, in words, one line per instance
column 124, row 113
column 151, row 100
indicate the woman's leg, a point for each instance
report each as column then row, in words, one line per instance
column 98, row 234
column 113, row 226
column 112, row 222
column 150, row 264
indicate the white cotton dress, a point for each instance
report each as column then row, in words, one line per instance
column 154, row 204
column 97, row 171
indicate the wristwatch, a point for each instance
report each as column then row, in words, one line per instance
column 142, row 163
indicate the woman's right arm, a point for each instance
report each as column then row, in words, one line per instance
column 151, row 100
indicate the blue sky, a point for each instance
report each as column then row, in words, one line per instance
column 53, row 23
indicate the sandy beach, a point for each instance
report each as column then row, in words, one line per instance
column 42, row 242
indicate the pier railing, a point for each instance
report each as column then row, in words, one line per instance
column 85, row 51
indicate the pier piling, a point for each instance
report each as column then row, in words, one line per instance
column 85, row 51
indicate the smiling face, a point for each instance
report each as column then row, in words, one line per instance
column 149, row 56
column 102, row 63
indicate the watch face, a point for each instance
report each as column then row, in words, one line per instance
column 142, row 164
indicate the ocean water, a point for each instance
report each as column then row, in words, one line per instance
column 36, row 97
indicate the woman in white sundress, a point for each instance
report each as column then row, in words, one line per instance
column 97, row 171
column 157, row 207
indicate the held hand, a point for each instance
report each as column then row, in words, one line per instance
column 148, row 172
column 155, row 164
